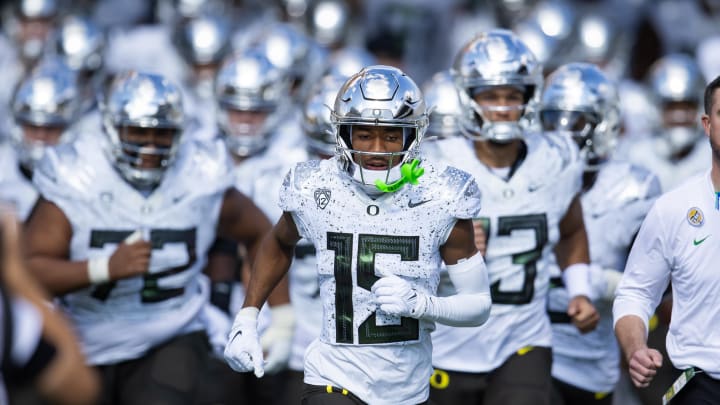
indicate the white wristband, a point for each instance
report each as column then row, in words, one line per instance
column 98, row 270
column 577, row 281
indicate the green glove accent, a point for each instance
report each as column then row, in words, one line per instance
column 410, row 174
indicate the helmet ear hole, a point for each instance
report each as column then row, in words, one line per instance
column 345, row 133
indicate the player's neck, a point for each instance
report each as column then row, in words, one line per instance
column 494, row 154
column 715, row 172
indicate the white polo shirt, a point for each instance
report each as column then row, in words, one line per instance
column 679, row 242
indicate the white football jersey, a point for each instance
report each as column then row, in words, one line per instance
column 613, row 210
column 378, row 357
column 15, row 188
column 121, row 320
column 648, row 152
column 677, row 243
column 521, row 218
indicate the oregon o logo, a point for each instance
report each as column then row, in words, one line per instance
column 439, row 379
column 373, row 210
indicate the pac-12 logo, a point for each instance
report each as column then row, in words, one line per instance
column 695, row 216
column 322, row 197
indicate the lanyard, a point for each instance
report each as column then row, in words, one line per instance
column 717, row 201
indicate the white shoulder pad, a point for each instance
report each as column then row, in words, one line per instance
column 64, row 173
column 205, row 166
column 567, row 150
column 292, row 186
column 463, row 193
column 647, row 184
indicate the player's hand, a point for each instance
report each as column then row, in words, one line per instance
column 583, row 314
column 243, row 352
column 480, row 237
column 277, row 339
column 131, row 258
column 643, row 365
column 395, row 296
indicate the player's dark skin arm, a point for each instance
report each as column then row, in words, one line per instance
column 573, row 244
column 273, row 260
column 47, row 237
column 242, row 221
column 66, row 379
column 573, row 248
column 460, row 244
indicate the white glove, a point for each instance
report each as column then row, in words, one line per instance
column 395, row 296
column 243, row 352
column 277, row 340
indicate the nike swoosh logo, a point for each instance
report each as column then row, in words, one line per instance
column 412, row 204
column 697, row 242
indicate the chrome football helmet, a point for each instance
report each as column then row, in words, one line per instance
column 248, row 83
column 44, row 105
column 378, row 96
column 580, row 101
column 497, row 58
column 29, row 23
column 291, row 50
column 203, row 43
column 203, row 40
column 443, row 101
column 677, row 86
column 80, row 43
column 327, row 22
column 143, row 102
column 316, row 122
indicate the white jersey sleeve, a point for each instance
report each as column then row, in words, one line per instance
column 647, row 272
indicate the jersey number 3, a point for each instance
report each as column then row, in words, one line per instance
column 150, row 292
column 528, row 259
column 368, row 245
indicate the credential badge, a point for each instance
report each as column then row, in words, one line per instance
column 695, row 216
column 322, row 197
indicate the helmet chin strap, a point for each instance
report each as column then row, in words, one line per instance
column 410, row 173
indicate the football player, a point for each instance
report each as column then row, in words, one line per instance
column 121, row 233
column 380, row 243
column 676, row 148
column 531, row 208
column 44, row 106
column 581, row 102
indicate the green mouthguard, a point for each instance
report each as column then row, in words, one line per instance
column 410, row 173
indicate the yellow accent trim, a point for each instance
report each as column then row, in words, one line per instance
column 328, row 388
column 525, row 350
column 439, row 379
column 653, row 323
column 344, row 391
column 601, row 395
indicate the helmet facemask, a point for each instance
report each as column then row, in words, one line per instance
column 143, row 155
column 143, row 119
column 247, row 131
column 680, row 129
column 370, row 167
column 478, row 122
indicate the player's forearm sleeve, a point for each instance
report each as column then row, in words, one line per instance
column 471, row 305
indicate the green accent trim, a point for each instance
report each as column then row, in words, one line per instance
column 410, row 174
